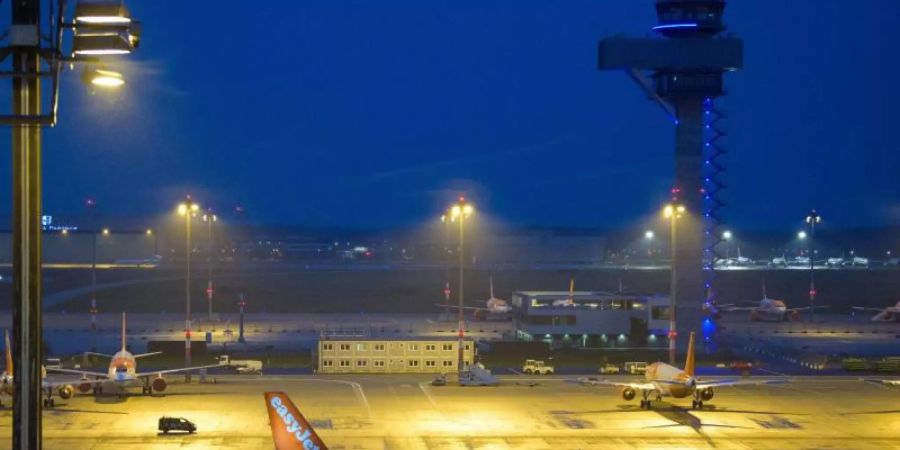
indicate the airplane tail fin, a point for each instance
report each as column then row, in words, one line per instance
column 689, row 362
column 9, row 360
column 571, row 287
column 764, row 288
column 492, row 287
column 290, row 430
column 123, row 332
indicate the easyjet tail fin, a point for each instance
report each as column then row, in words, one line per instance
column 9, row 361
column 290, row 430
column 492, row 287
column 689, row 362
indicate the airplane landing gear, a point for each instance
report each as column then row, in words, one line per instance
column 697, row 402
column 49, row 403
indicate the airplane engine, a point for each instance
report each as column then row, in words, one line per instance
column 706, row 394
column 159, row 384
column 66, row 391
column 628, row 393
column 754, row 316
column 794, row 315
column 85, row 387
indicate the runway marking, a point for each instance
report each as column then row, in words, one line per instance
column 428, row 394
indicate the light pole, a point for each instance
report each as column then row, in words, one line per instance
column 36, row 49
column 459, row 212
column 812, row 220
column 188, row 210
column 91, row 204
column 242, row 304
column 726, row 236
column 673, row 212
column 649, row 235
column 445, row 220
column 209, row 218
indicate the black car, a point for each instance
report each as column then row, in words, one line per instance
column 167, row 424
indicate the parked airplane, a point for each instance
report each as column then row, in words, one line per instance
column 769, row 309
column 570, row 300
column 495, row 306
column 65, row 389
column 890, row 383
column 889, row 314
column 663, row 380
column 290, row 430
column 123, row 372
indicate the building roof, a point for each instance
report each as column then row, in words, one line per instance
column 394, row 339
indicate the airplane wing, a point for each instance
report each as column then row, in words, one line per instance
column 861, row 308
column 57, row 383
column 891, row 383
column 475, row 308
column 805, row 308
column 736, row 382
column 738, row 308
column 83, row 373
column 590, row 381
column 180, row 369
column 144, row 355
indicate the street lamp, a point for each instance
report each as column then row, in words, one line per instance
column 37, row 54
column 812, row 220
column 459, row 213
column 188, row 210
column 649, row 235
column 801, row 235
column 102, row 77
column 673, row 212
column 209, row 218
column 446, row 221
column 726, row 236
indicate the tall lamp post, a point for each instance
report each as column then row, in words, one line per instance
column 673, row 212
column 91, row 204
column 649, row 235
column 37, row 53
column 188, row 210
column 209, row 218
column 460, row 212
column 726, row 236
column 812, row 220
column 446, row 221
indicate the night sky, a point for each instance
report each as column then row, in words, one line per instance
column 378, row 113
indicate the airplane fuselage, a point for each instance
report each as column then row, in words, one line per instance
column 122, row 367
column 670, row 381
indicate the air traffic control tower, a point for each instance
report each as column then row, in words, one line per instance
column 681, row 68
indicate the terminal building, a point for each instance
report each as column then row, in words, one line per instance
column 392, row 355
column 591, row 319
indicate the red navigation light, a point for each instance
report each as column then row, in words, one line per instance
column 812, row 292
column 673, row 334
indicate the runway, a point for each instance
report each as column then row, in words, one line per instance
column 405, row 412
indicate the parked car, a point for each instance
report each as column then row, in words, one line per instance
column 167, row 424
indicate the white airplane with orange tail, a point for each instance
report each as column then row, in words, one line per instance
column 290, row 430
column 662, row 380
column 770, row 309
column 889, row 314
column 65, row 389
column 122, row 372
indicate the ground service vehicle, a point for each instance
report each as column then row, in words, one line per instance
column 167, row 424
column 242, row 365
column 636, row 368
column 532, row 366
column 477, row 375
column 609, row 368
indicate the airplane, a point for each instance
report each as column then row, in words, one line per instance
column 736, row 261
column 123, row 372
column 769, row 309
column 570, row 300
column 495, row 306
column 889, row 383
column 65, row 389
column 663, row 380
column 290, row 430
column 889, row 314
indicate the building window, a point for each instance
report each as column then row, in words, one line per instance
column 447, row 363
column 327, row 363
column 379, row 347
column 345, row 363
column 345, row 347
column 430, row 363
column 430, row 347
column 361, row 363
column 447, row 347
column 466, row 347
column 659, row 313
column 414, row 347
column 413, row 363
column 378, row 363
column 327, row 347
column 361, row 347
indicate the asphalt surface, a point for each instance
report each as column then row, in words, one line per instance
column 405, row 412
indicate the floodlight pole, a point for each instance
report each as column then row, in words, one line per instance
column 26, row 161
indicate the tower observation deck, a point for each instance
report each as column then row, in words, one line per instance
column 681, row 68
